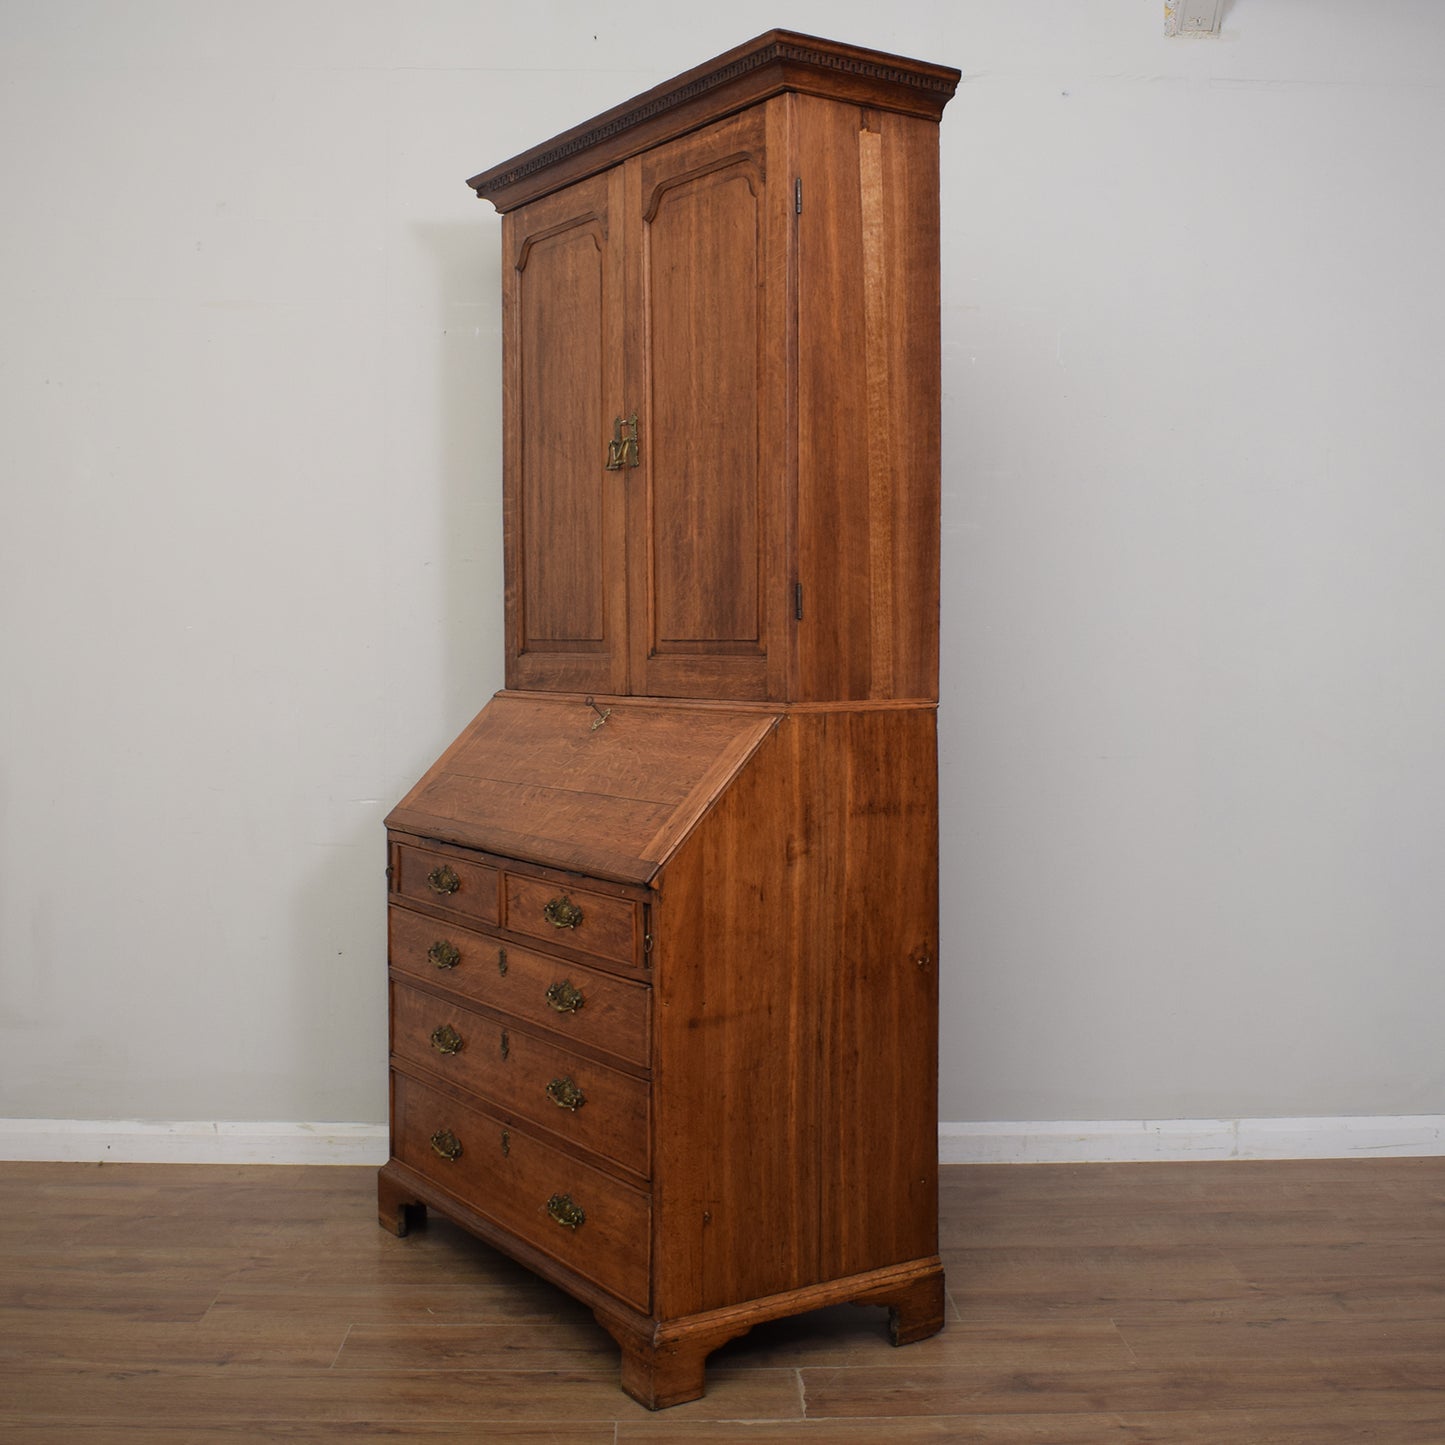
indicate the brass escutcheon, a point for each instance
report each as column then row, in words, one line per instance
column 564, row 998
column 444, row 953
column 562, row 913
column 446, row 1144
column 443, row 879
column 565, row 1212
column 445, row 1039
column 566, row 1095
column 622, row 450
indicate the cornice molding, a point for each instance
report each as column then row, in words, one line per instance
column 802, row 63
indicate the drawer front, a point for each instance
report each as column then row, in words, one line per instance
column 581, row 1102
column 446, row 881
column 569, row 999
column 574, row 918
column 582, row 1218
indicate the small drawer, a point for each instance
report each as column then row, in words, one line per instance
column 446, row 881
column 580, row 1101
column 593, row 1224
column 569, row 999
column 574, row 918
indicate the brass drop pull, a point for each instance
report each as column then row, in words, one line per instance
column 444, row 953
column 506, row 1044
column 506, row 1142
column 443, row 880
column 446, row 1144
column 562, row 913
column 566, row 1095
column 569, row 1215
column 502, row 962
column 564, row 998
column 446, row 1040
column 622, row 450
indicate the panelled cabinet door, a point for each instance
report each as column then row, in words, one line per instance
column 709, row 229
column 647, row 327
column 565, row 511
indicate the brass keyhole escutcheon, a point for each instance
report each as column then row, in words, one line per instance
column 564, row 998
column 622, row 450
column 443, row 879
column 562, row 913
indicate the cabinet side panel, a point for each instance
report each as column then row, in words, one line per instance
column 868, row 403
column 879, row 1175
column 796, row 978
column 736, row 1050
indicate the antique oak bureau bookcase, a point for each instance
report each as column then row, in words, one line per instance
column 663, row 924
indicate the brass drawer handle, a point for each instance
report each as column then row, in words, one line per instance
column 565, row 1212
column 444, row 953
column 565, row 1094
column 562, row 913
column 445, row 1039
column 446, row 1144
column 564, row 998
column 443, row 879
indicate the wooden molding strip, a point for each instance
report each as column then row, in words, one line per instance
column 132, row 1141
column 1030, row 1142
column 1118, row 1141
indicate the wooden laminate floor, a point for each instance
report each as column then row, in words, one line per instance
column 1180, row 1304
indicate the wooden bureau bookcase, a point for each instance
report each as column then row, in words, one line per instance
column 664, row 919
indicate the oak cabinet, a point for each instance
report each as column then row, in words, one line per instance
column 663, row 932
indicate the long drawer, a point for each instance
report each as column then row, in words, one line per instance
column 580, row 1101
column 591, row 1223
column 581, row 1004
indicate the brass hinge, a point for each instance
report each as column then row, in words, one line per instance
column 798, row 600
column 798, row 196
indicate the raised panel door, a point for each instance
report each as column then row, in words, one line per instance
column 565, row 549
column 709, row 234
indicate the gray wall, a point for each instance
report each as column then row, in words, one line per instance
column 250, row 552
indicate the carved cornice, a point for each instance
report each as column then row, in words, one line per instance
column 801, row 62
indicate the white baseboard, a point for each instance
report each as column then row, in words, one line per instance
column 1052, row 1142
column 126, row 1141
column 1122, row 1140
